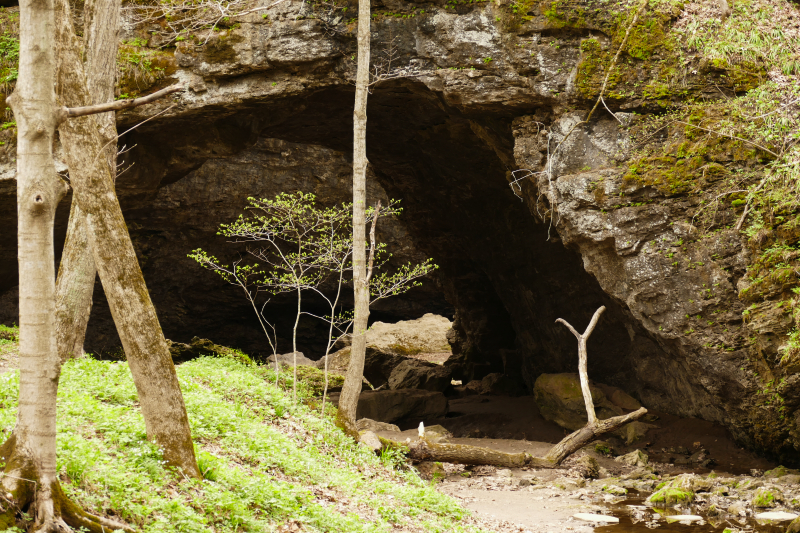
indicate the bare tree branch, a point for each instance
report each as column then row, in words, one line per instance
column 582, row 356
column 71, row 112
column 372, row 240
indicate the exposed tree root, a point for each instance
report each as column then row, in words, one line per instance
column 28, row 494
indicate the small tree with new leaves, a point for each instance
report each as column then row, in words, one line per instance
column 299, row 247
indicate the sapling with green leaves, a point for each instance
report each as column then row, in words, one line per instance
column 303, row 247
column 239, row 275
column 296, row 244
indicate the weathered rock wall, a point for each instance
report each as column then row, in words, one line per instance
column 494, row 87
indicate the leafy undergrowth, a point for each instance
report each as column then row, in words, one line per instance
column 9, row 347
column 268, row 465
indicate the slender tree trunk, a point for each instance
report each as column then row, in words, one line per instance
column 134, row 315
column 330, row 343
column 30, row 479
column 75, row 285
column 38, row 194
column 294, row 347
column 77, row 272
column 348, row 401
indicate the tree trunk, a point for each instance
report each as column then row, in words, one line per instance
column 348, row 400
column 134, row 315
column 38, row 194
column 294, row 346
column 75, row 285
column 30, row 476
column 77, row 272
column 425, row 450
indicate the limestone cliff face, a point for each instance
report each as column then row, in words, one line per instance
column 486, row 89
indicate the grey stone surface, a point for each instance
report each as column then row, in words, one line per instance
column 407, row 404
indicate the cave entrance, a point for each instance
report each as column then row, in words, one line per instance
column 504, row 275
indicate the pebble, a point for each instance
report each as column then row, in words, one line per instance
column 775, row 515
column 597, row 518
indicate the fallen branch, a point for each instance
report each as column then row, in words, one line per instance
column 577, row 440
column 430, row 450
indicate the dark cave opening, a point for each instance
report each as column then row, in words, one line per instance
column 504, row 275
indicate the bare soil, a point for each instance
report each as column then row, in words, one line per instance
column 551, row 499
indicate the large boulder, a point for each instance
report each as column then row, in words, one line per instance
column 367, row 424
column 288, row 359
column 415, row 374
column 409, row 337
column 406, row 404
column 395, row 371
column 560, row 400
column 378, row 365
column 182, row 352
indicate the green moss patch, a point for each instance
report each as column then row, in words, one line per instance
column 670, row 496
column 766, row 498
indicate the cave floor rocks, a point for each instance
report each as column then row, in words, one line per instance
column 545, row 501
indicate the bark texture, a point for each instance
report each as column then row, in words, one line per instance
column 38, row 194
column 137, row 324
column 348, row 401
column 75, row 285
column 30, row 478
column 77, row 272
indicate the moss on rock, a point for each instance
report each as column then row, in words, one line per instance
column 764, row 497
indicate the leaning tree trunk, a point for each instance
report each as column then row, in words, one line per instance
column 30, row 478
column 348, row 400
column 75, row 285
column 429, row 450
column 134, row 315
column 77, row 272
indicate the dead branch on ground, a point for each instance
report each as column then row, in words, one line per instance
column 430, row 450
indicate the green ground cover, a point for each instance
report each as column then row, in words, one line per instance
column 268, row 465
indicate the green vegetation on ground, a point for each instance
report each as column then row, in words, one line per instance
column 266, row 462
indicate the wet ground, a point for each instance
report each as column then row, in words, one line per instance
column 518, row 419
column 546, row 501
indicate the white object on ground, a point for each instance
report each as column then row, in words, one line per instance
column 683, row 518
column 775, row 515
column 597, row 518
column 421, row 430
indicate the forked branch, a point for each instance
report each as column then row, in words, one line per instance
column 428, row 450
column 582, row 356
